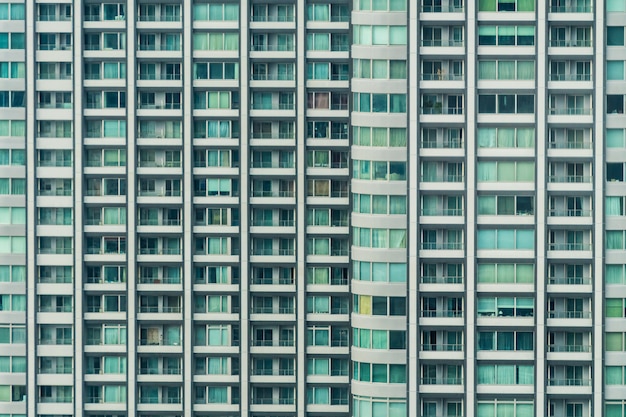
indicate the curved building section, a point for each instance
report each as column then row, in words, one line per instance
column 379, row 155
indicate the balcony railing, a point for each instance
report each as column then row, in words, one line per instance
column 442, row 245
column 263, row 193
column 445, row 144
column 57, row 192
column 570, row 213
column 273, row 18
column 442, row 9
column 272, row 47
column 570, row 77
column 569, row 382
column 149, row 76
column 157, row 280
column 569, row 145
column 569, row 348
column 571, row 9
column 271, row 401
column 570, row 43
column 270, row 164
column 442, row 212
column 282, row 342
column 442, row 313
column 272, row 281
column 441, row 280
column 155, row 400
column 272, row 372
column 159, row 222
column 570, row 111
column 272, row 252
column 161, row 309
column 442, row 347
column 442, row 76
column 164, row 106
column 442, row 110
column 569, row 314
column 164, row 251
column 53, row 18
column 270, row 310
column 442, row 381
column 570, row 178
column 569, row 246
column 157, row 371
column 161, row 18
column 569, row 280
column 444, row 178
column 165, row 342
column 441, row 42
column 61, row 341
column 273, row 77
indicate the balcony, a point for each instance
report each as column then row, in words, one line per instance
column 569, row 246
column 441, row 313
column 569, row 382
column 425, row 279
column 569, row 285
column 569, row 319
column 570, row 111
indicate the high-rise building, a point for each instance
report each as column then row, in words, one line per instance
column 322, row 208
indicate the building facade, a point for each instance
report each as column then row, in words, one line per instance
column 377, row 208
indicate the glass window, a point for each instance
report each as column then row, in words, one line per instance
column 615, row 36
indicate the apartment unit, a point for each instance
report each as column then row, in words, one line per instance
column 281, row 208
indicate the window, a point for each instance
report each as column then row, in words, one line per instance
column 379, row 372
column 17, row 11
column 12, row 244
column 502, row 205
column 615, row 36
column 216, row 100
column 506, row 35
column 379, row 136
column 216, row 11
column 379, row 170
column 15, row 273
column 380, row 103
column 503, row 273
column 216, row 71
column 13, row 334
column 615, row 70
column 506, row 5
column 379, row 339
column 615, row 307
column 379, row 35
column 379, row 204
column 379, row 69
column 505, row 307
column 379, row 238
column 511, row 239
column 615, row 239
column 379, row 271
column 506, row 103
column 505, row 137
column 501, row 374
column 615, row 342
column 501, row 171
column 614, row 104
column 505, row 340
column 215, row 41
column 615, row 375
column 379, row 306
column 506, row 70
column 12, row 302
column 380, row 5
